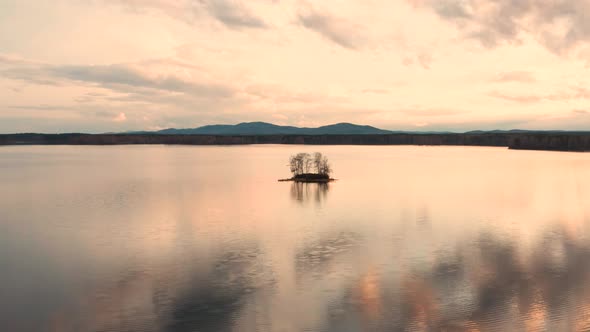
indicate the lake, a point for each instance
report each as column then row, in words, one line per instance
column 204, row 238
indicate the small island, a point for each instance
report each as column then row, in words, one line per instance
column 308, row 168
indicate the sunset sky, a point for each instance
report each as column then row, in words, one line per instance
column 117, row 65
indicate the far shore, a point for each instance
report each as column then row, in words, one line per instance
column 550, row 141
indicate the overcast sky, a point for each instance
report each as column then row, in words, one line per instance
column 115, row 65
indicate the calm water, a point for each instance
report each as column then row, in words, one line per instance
column 161, row 238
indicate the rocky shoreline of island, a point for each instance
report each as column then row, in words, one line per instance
column 309, row 178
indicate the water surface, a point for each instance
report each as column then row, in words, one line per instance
column 182, row 238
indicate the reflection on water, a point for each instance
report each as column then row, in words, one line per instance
column 188, row 239
column 487, row 288
column 212, row 301
column 305, row 192
column 320, row 255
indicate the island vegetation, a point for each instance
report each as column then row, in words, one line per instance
column 309, row 168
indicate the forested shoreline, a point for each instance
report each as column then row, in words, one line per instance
column 527, row 140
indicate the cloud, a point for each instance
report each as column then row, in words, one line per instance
column 560, row 25
column 128, row 75
column 337, row 30
column 280, row 117
column 118, row 77
column 41, row 107
column 423, row 58
column 232, row 13
column 572, row 120
column 432, row 112
column 514, row 76
column 111, row 116
column 171, row 93
column 163, row 89
column 377, row 91
column 447, row 122
column 278, row 94
column 521, row 99
column 575, row 93
column 121, row 117
column 454, row 9
column 28, row 75
column 407, row 61
column 21, row 69
column 9, row 59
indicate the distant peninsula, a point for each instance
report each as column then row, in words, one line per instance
column 337, row 134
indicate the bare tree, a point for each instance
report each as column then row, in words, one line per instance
column 293, row 164
column 300, row 163
column 325, row 167
column 317, row 161
column 308, row 163
column 303, row 163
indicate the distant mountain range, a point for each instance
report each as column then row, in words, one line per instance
column 337, row 134
column 263, row 128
